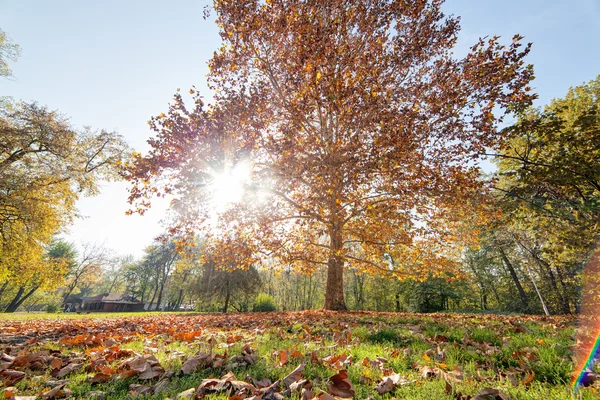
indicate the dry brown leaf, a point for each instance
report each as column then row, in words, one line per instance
column 307, row 394
column 528, row 378
column 11, row 377
column 491, row 394
column 140, row 390
column 66, row 370
column 194, row 362
column 388, row 383
column 187, row 394
column 340, row 385
column 294, row 376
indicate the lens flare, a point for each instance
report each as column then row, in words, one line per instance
column 587, row 347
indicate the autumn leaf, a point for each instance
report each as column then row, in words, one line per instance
column 194, row 362
column 11, row 377
column 388, row 383
column 66, row 370
column 99, row 378
column 340, row 385
column 293, row 376
column 491, row 394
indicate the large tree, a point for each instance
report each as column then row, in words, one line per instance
column 45, row 165
column 549, row 181
column 360, row 130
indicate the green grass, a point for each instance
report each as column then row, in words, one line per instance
column 484, row 347
column 24, row 316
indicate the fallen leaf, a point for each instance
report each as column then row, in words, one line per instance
column 294, row 376
column 66, row 370
column 194, row 362
column 340, row 385
column 491, row 394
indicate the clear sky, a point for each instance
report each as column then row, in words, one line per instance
column 112, row 64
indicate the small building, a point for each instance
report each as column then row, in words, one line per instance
column 73, row 303
column 112, row 302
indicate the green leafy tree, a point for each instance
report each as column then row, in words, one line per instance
column 549, row 175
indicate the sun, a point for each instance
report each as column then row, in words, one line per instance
column 227, row 186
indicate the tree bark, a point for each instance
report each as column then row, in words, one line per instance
column 514, row 277
column 15, row 300
column 227, row 296
column 334, row 288
column 19, row 299
column 32, row 291
column 160, row 293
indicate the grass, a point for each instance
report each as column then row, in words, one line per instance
column 488, row 349
column 25, row 316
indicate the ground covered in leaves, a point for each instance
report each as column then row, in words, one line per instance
column 304, row 355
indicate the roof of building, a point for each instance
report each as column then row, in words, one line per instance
column 112, row 298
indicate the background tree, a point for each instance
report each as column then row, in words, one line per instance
column 8, row 51
column 229, row 288
column 45, row 164
column 85, row 269
column 549, row 176
column 361, row 128
column 47, row 273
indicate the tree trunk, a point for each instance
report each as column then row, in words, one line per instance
column 565, row 289
column 334, row 288
column 160, row 293
column 179, row 299
column 227, row 296
column 514, row 277
column 32, row 291
column 15, row 300
column 545, row 266
column 153, row 296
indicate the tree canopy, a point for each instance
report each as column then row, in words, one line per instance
column 45, row 164
column 358, row 126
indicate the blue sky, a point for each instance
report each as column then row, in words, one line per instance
column 112, row 64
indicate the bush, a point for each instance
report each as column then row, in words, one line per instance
column 52, row 308
column 264, row 302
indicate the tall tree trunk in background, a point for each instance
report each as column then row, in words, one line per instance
column 514, row 277
column 309, row 302
column 153, row 296
column 565, row 288
column 160, row 293
column 179, row 299
column 547, row 270
column 227, row 296
column 482, row 290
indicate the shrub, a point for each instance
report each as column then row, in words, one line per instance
column 264, row 302
column 52, row 308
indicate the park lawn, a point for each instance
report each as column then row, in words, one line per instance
column 406, row 356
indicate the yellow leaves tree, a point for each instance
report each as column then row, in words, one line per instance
column 360, row 127
column 45, row 164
